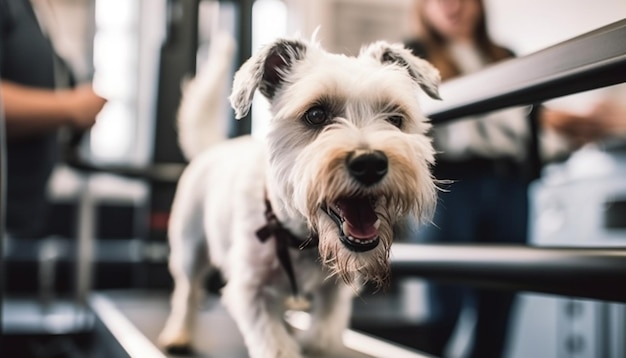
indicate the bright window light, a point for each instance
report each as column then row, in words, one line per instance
column 269, row 21
column 116, row 78
column 116, row 14
column 113, row 133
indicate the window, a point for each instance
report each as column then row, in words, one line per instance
column 269, row 21
column 116, row 63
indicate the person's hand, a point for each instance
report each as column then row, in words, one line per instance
column 604, row 119
column 83, row 105
column 610, row 116
column 579, row 129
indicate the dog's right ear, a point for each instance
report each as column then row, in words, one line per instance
column 266, row 71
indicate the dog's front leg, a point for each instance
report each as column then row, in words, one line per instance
column 188, row 265
column 329, row 318
column 259, row 318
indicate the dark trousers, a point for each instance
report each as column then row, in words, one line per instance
column 478, row 208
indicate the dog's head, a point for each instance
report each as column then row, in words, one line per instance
column 347, row 144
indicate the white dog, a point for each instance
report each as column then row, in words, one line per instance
column 311, row 212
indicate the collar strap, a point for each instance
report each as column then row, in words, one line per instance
column 283, row 239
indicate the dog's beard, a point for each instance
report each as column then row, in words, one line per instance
column 352, row 266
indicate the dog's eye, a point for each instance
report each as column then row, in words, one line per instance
column 396, row 120
column 316, row 116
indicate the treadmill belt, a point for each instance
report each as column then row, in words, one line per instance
column 134, row 319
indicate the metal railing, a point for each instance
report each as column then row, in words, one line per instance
column 596, row 273
column 593, row 60
column 3, row 179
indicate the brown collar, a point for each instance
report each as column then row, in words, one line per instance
column 284, row 239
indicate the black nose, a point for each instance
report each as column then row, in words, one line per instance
column 368, row 168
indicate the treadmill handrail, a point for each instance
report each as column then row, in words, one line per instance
column 585, row 272
column 553, row 72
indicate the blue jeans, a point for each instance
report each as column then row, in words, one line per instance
column 482, row 208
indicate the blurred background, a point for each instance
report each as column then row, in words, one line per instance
column 111, row 186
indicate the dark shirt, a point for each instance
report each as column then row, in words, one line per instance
column 26, row 58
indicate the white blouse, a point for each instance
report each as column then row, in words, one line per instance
column 500, row 134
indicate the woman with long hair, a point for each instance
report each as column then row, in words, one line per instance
column 485, row 158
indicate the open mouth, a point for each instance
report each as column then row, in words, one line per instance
column 356, row 221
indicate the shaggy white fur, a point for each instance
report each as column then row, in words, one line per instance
column 346, row 160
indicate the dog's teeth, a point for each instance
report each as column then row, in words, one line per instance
column 360, row 242
column 345, row 227
column 377, row 224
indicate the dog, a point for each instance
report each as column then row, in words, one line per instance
column 307, row 215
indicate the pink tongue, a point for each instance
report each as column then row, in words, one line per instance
column 360, row 216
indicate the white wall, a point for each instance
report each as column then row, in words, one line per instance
column 527, row 26
column 530, row 25
column 523, row 25
column 345, row 25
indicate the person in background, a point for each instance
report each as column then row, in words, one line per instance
column 34, row 110
column 486, row 159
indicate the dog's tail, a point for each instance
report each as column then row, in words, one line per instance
column 201, row 115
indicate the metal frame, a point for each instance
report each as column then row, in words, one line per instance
column 3, row 178
column 244, row 125
column 596, row 273
column 592, row 60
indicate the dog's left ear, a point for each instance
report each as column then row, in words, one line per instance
column 425, row 74
column 266, row 71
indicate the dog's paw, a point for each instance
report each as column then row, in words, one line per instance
column 321, row 343
column 178, row 344
column 182, row 350
column 281, row 353
column 287, row 348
